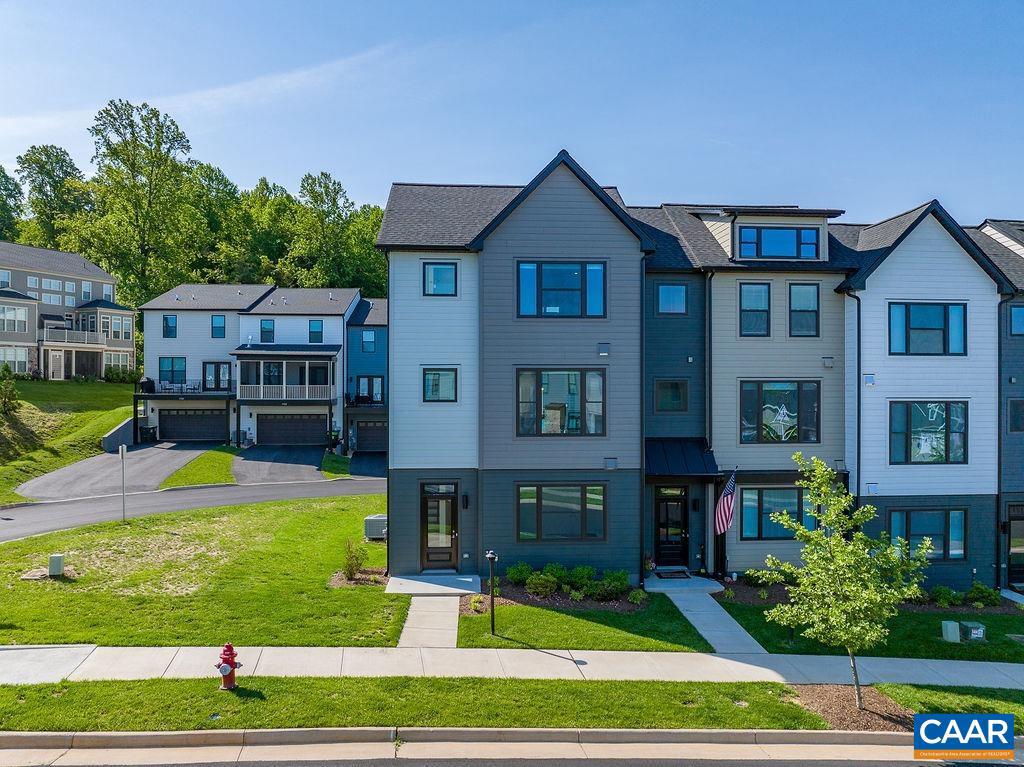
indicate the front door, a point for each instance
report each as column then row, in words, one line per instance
column 439, row 526
column 1015, row 560
column 57, row 365
column 671, row 528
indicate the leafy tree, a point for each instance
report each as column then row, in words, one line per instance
column 848, row 585
column 269, row 214
column 55, row 192
column 9, row 401
column 369, row 268
column 10, row 205
column 317, row 255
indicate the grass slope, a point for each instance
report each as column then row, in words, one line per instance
column 334, row 466
column 929, row 699
column 658, row 626
column 210, row 468
column 60, row 422
column 197, row 704
column 253, row 575
column 911, row 635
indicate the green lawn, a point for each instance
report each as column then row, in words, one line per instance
column 658, row 626
column 912, row 635
column 210, row 468
column 334, row 466
column 197, row 704
column 60, row 422
column 928, row 699
column 253, row 575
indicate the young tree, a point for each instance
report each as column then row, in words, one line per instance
column 9, row 401
column 55, row 192
column 848, row 585
column 10, row 205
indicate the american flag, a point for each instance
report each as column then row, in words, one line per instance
column 723, row 511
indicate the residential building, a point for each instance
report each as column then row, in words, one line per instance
column 366, row 406
column 59, row 315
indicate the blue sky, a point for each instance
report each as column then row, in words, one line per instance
column 870, row 107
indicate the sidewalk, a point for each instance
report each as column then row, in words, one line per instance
column 30, row 665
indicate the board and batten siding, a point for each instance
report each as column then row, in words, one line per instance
column 432, row 332
column 561, row 220
column 930, row 266
column 193, row 342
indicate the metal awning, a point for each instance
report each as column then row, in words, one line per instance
column 679, row 457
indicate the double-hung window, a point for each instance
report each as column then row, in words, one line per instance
column 560, row 289
column 172, row 370
column 217, row 326
column 316, row 331
column 927, row 432
column 560, row 402
column 927, row 329
column 32, row 281
column 108, row 293
column 14, row 319
column 804, row 310
column 671, row 299
column 757, row 504
column 170, row 325
column 16, row 357
column 5, row 278
column 266, row 331
column 440, row 385
column 778, row 242
column 117, row 328
column 945, row 528
column 780, row 411
column 368, row 341
column 440, row 278
column 755, row 309
column 105, row 326
column 49, row 284
column 560, row 512
column 127, row 328
column 86, row 290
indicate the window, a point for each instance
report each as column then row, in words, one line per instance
column 69, row 300
column 780, row 411
column 92, row 323
column 316, row 331
column 51, row 298
column 370, row 389
column 804, row 311
column 369, row 341
column 217, row 326
column 33, row 282
column 927, row 432
column 108, row 293
column 14, row 319
column 560, row 512
column 671, row 396
column 170, row 325
column 440, row 279
column 557, row 289
column 927, row 329
column 778, row 242
column 755, row 303
column 757, row 504
column 49, row 284
column 105, row 325
column 266, row 331
column 1017, row 320
column 127, row 329
column 69, row 287
column 33, row 294
column 217, row 376
column 116, row 359
column 440, row 384
column 117, row 327
column 946, row 528
column 16, row 357
column 560, row 402
column 86, row 290
column 172, row 370
column 671, row 299
column 5, row 278
column 1016, row 415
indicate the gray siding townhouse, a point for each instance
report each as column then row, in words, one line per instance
column 58, row 317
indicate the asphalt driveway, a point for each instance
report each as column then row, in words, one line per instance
column 368, row 464
column 146, row 466
column 270, row 463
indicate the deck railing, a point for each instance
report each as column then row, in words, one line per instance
column 286, row 391
column 64, row 336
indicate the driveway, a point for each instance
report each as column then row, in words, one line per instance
column 365, row 464
column 278, row 464
column 146, row 466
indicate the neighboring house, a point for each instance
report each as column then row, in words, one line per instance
column 58, row 316
column 575, row 379
column 251, row 364
column 366, row 405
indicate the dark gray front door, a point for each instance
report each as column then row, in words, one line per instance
column 439, row 526
column 197, row 425
column 671, row 543
column 1015, row 560
column 291, row 429
column 372, row 436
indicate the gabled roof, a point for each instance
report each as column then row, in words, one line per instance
column 1011, row 264
column 230, row 298
column 57, row 262
column 370, row 311
column 305, row 301
column 102, row 303
column 1008, row 228
column 15, row 295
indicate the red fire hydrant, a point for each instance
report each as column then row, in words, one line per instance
column 227, row 666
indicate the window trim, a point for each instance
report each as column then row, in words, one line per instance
column 738, row 243
column 657, row 299
column 362, row 341
column 369, row 387
column 760, row 514
column 907, row 512
column 309, row 331
column 603, row 372
column 184, row 370
column 423, row 385
column 455, row 282
column 906, row 328
column 273, row 331
column 817, row 312
column 767, row 312
column 223, row 327
column 225, row 385
column 760, row 408
column 583, row 264
column 164, row 326
column 686, row 400
column 1009, row 319
column 910, row 430
column 603, row 484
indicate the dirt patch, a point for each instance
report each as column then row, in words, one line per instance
column 835, row 704
column 518, row 595
column 43, row 574
column 369, row 576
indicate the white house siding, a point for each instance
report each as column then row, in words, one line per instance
column 293, row 329
column 929, row 265
column 193, row 342
column 428, row 332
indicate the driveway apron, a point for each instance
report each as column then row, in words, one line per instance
column 270, row 463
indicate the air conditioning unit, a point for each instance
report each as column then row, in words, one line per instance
column 375, row 527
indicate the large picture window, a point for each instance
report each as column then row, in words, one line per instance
column 757, row 504
column 560, row 403
column 755, row 308
column 14, row 319
column 560, row 512
column 172, row 370
column 440, row 385
column 927, row 432
column 927, row 329
column 16, row 357
column 778, row 242
column 780, row 411
column 558, row 289
column 946, row 528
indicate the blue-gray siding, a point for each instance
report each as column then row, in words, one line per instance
column 362, row 363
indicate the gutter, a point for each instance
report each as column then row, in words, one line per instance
column 643, row 413
column 999, row 443
column 860, row 389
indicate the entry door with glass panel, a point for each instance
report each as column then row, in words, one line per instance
column 1015, row 560
column 671, row 529
column 439, row 525
column 57, row 365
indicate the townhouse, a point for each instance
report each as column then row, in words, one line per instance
column 58, row 315
column 366, row 384
column 574, row 379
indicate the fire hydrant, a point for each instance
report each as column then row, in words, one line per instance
column 227, row 666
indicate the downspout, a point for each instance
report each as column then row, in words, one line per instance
column 643, row 412
column 860, row 389
column 387, row 496
column 999, row 443
column 708, row 420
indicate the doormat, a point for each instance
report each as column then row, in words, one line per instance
column 673, row 575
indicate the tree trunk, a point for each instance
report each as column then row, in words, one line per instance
column 856, row 680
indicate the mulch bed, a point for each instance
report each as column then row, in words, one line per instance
column 370, row 576
column 518, row 595
column 835, row 703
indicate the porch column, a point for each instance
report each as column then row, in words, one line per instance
column 260, row 390
column 227, row 422
column 238, row 424
column 103, row 363
column 135, row 419
column 330, row 421
column 73, row 366
column 306, row 379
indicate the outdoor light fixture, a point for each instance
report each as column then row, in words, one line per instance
column 465, row 500
column 869, row 379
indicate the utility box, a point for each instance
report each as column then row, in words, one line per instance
column 950, row 631
column 375, row 527
column 972, row 631
column 56, row 568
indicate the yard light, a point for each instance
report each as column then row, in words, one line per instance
column 491, row 559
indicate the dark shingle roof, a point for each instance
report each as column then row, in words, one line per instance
column 371, row 311
column 305, row 301
column 102, row 303
column 209, row 297
column 15, row 294
column 1012, row 229
column 1009, row 263
column 439, row 216
column 312, row 350
column 58, row 262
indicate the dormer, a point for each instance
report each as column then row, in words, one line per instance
column 778, row 233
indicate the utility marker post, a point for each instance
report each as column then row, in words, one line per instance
column 122, row 451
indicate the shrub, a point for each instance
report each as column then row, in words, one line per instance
column 762, row 594
column 613, row 585
column 637, row 596
column 353, row 559
column 9, row 401
column 1019, row 606
column 944, row 596
column 978, row 605
column 729, row 594
column 577, row 596
column 979, row 592
column 556, row 571
column 750, row 578
column 541, row 586
column 518, row 573
column 617, row 579
column 580, row 576
column 476, row 603
column 121, row 375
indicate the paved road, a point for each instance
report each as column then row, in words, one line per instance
column 38, row 518
column 278, row 464
column 368, row 464
column 561, row 761
column 146, row 466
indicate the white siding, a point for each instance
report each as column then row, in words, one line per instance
column 930, row 266
column 193, row 342
column 432, row 331
column 292, row 329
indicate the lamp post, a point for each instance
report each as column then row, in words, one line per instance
column 491, row 559
column 122, row 452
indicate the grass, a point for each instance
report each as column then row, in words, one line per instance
column 197, row 704
column 210, row 468
column 658, row 626
column 59, row 422
column 930, row 699
column 334, row 466
column 253, row 574
column 911, row 635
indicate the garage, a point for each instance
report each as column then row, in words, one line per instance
column 291, row 428
column 372, row 436
column 180, row 425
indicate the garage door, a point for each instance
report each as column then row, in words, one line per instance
column 372, row 435
column 291, row 428
column 180, row 425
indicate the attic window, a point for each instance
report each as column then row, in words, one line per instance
column 778, row 242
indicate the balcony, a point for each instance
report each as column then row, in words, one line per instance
column 189, row 386
column 64, row 336
column 364, row 401
column 286, row 391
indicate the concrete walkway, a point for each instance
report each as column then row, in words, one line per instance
column 714, row 623
column 432, row 622
column 24, row 665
